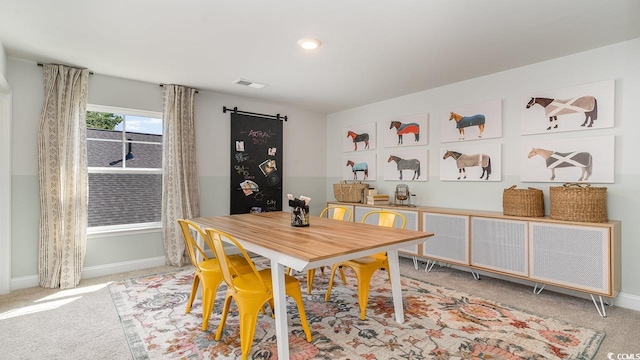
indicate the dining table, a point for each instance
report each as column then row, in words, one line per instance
column 324, row 242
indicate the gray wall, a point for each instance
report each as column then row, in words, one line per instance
column 304, row 171
column 618, row 62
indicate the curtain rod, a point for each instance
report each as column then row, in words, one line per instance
column 161, row 85
column 236, row 111
column 42, row 65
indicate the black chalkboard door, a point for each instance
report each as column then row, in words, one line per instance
column 256, row 164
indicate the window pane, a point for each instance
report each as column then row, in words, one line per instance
column 119, row 199
column 143, row 125
column 105, row 121
column 143, row 155
column 104, row 153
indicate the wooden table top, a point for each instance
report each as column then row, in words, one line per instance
column 324, row 238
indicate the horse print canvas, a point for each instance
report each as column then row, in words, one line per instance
column 471, row 122
column 471, row 163
column 406, row 165
column 359, row 166
column 568, row 160
column 583, row 107
column 359, row 137
column 408, row 130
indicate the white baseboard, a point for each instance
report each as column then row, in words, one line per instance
column 628, row 301
column 95, row 271
column 115, row 268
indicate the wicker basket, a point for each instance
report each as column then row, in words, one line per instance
column 578, row 202
column 523, row 202
column 349, row 192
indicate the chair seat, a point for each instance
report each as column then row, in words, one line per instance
column 238, row 263
column 247, row 282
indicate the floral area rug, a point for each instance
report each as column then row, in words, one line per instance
column 440, row 323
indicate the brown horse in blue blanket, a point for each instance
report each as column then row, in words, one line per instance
column 466, row 121
column 464, row 160
column 359, row 167
column 555, row 160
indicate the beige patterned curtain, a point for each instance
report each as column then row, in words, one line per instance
column 62, row 165
column 180, row 185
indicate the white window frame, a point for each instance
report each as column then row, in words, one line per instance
column 126, row 229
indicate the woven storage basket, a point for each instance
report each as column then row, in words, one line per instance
column 523, row 202
column 349, row 192
column 578, row 202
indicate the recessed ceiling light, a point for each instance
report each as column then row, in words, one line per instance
column 309, row 44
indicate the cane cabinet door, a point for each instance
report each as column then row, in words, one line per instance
column 450, row 242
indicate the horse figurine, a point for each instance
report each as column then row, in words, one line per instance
column 409, row 128
column 364, row 137
column 466, row 121
column 463, row 161
column 554, row 107
column 358, row 167
column 570, row 159
column 408, row 164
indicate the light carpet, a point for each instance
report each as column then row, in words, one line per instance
column 440, row 323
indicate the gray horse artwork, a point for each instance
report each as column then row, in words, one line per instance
column 406, row 164
column 554, row 160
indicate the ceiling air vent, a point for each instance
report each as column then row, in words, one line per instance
column 249, row 83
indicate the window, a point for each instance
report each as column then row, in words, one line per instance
column 124, row 156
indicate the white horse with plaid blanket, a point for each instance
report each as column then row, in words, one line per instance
column 555, row 160
column 554, row 107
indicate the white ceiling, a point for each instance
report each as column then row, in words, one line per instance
column 372, row 49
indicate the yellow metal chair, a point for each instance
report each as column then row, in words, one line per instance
column 364, row 267
column 207, row 270
column 337, row 213
column 251, row 291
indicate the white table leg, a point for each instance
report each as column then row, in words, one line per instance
column 280, row 306
column 396, row 286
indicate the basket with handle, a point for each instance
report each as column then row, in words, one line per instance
column 523, row 202
column 578, row 202
column 349, row 192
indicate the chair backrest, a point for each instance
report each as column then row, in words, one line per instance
column 339, row 212
column 386, row 218
column 190, row 243
column 218, row 238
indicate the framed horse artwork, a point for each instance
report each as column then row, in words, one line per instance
column 568, row 160
column 471, row 163
column 406, row 165
column 408, row 130
column 359, row 137
column 583, row 107
column 471, row 122
column 359, row 166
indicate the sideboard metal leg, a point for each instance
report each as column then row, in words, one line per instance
column 429, row 265
column 599, row 307
column 415, row 262
column 476, row 275
column 538, row 291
